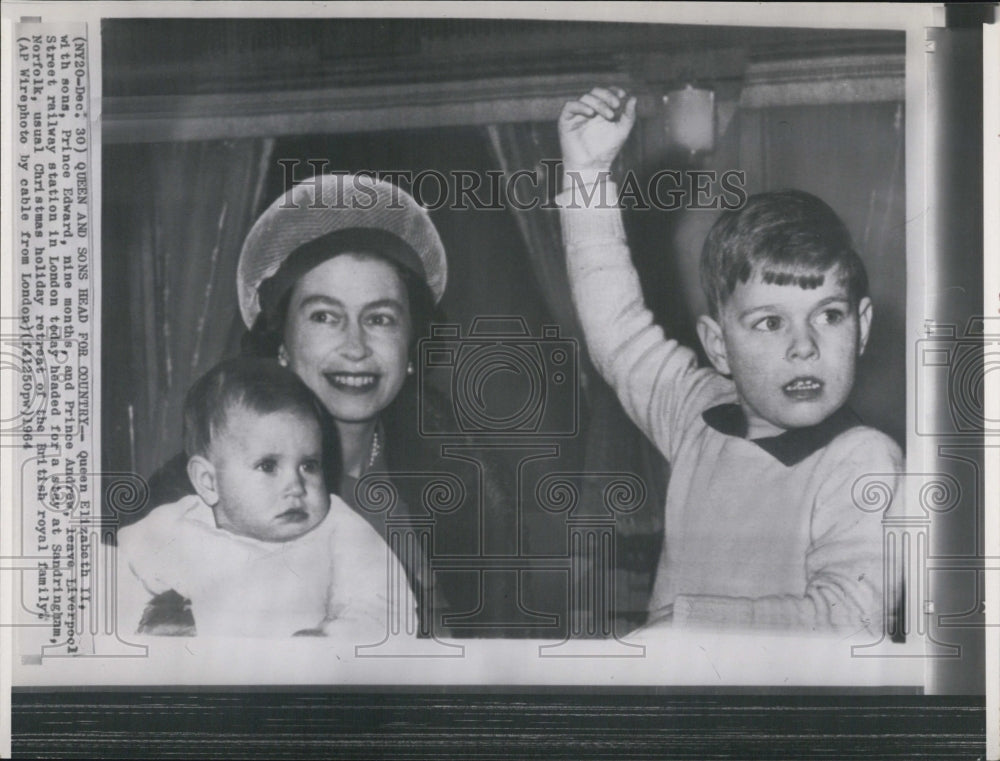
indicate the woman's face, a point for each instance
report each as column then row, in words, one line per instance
column 347, row 335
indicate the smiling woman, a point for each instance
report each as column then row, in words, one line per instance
column 347, row 334
column 338, row 279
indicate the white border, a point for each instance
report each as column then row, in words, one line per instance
column 901, row 16
column 7, row 403
column 911, row 18
column 991, row 306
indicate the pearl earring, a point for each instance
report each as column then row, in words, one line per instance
column 409, row 368
column 282, row 357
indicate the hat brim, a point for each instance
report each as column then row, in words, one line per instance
column 321, row 209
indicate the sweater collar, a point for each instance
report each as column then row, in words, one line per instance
column 791, row 447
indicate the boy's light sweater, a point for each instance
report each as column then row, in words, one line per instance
column 334, row 577
column 758, row 533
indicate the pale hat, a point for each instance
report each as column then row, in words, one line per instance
column 336, row 213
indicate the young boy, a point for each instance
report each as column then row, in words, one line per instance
column 761, row 529
column 262, row 549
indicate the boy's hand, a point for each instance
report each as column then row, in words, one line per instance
column 593, row 128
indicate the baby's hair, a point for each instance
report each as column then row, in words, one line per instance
column 258, row 385
column 789, row 237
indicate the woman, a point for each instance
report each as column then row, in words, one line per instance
column 338, row 279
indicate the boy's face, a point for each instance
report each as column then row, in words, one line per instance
column 791, row 351
column 267, row 475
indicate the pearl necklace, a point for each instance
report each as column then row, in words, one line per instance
column 376, row 449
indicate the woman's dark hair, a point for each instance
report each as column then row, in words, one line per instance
column 268, row 331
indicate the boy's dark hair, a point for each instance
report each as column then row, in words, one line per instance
column 259, row 385
column 790, row 237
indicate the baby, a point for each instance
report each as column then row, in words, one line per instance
column 761, row 529
column 262, row 549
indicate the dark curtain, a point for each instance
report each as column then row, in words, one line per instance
column 175, row 216
column 611, row 443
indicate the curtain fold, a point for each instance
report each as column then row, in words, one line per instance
column 175, row 218
column 612, row 444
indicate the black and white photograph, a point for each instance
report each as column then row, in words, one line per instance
column 500, row 381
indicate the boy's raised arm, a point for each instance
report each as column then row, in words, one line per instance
column 653, row 376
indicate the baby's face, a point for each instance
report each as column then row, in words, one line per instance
column 269, row 475
column 792, row 352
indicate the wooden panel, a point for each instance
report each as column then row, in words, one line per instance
column 451, row 723
column 824, row 81
column 382, row 107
